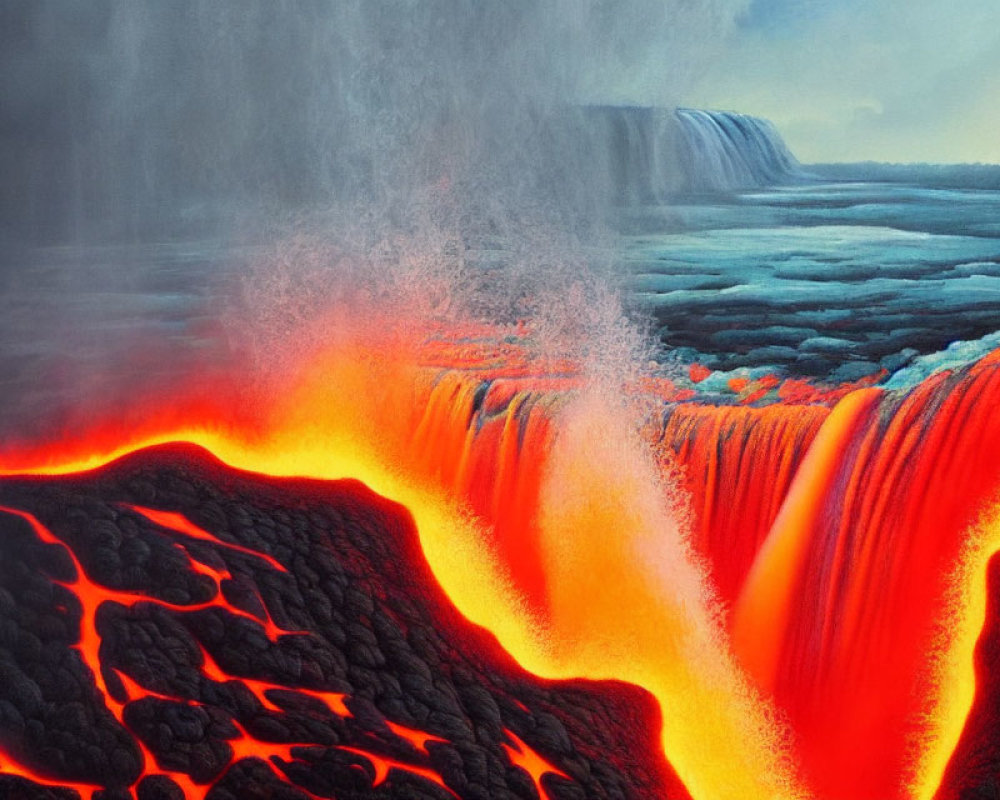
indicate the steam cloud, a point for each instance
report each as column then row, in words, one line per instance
column 395, row 144
column 121, row 118
column 427, row 158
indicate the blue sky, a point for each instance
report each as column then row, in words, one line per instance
column 785, row 16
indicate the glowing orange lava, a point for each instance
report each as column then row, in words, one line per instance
column 532, row 763
column 781, row 578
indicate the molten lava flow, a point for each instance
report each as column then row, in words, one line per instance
column 415, row 437
column 334, row 701
column 527, row 759
column 849, row 614
column 765, row 604
column 9, row 766
column 383, row 766
column 836, row 539
column 418, row 739
column 177, row 522
column 736, row 465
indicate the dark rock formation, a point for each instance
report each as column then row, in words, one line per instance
column 292, row 644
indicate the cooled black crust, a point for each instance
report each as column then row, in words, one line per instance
column 379, row 629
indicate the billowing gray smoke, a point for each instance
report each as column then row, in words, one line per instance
column 127, row 120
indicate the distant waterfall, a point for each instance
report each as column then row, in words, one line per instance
column 720, row 150
column 655, row 153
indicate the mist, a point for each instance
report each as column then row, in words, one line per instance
column 124, row 121
column 193, row 187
